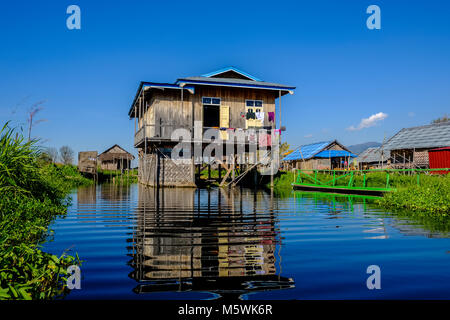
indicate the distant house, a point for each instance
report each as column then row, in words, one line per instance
column 409, row 147
column 321, row 156
column 115, row 158
column 373, row 158
column 87, row 162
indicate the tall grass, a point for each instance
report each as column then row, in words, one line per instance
column 32, row 194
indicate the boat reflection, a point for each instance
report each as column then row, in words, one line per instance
column 206, row 240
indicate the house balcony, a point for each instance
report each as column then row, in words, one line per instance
column 163, row 134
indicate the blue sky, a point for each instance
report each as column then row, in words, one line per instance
column 343, row 71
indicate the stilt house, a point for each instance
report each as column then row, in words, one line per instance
column 210, row 107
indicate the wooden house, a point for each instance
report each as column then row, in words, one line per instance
column 326, row 155
column 222, row 102
column 87, row 162
column 409, row 147
column 115, row 158
column 373, row 158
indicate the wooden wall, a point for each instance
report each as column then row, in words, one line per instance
column 165, row 106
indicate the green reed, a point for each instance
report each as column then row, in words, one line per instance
column 32, row 194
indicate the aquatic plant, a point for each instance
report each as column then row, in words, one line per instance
column 431, row 196
column 32, row 194
column 423, row 194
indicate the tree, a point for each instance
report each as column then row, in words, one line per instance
column 53, row 153
column 44, row 157
column 444, row 118
column 284, row 148
column 66, row 154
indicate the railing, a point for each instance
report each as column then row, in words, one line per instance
column 358, row 179
column 164, row 132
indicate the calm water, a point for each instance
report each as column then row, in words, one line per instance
column 139, row 243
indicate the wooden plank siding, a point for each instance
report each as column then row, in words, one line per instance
column 164, row 107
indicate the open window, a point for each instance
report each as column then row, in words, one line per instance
column 211, row 112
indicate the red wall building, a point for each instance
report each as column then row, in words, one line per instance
column 439, row 158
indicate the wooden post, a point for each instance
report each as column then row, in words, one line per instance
column 279, row 116
column 404, row 160
column 271, row 172
column 192, row 140
column 220, row 171
column 209, row 171
column 233, row 173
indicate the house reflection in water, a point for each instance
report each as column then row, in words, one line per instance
column 205, row 240
column 87, row 195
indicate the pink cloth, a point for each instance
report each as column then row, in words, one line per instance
column 265, row 140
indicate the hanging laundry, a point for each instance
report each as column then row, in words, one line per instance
column 260, row 115
column 265, row 140
column 271, row 116
column 250, row 115
column 251, row 137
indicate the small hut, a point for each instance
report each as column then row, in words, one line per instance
column 373, row 158
column 87, row 162
column 115, row 158
column 409, row 147
column 319, row 156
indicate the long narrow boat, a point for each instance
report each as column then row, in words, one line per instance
column 340, row 189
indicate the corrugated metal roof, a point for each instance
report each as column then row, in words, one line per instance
column 429, row 136
column 210, row 79
column 307, row 151
column 228, row 69
column 334, row 153
column 440, row 149
column 373, row 155
column 235, row 82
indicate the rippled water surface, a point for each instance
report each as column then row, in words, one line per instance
column 176, row 243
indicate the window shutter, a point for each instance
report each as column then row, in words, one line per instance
column 224, row 121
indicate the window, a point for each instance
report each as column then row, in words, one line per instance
column 211, row 112
column 208, row 100
column 256, row 117
column 254, row 103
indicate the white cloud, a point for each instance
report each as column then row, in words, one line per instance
column 411, row 114
column 308, row 135
column 369, row 122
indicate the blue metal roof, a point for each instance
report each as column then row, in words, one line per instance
column 307, row 151
column 334, row 153
column 226, row 82
column 245, row 74
column 146, row 84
